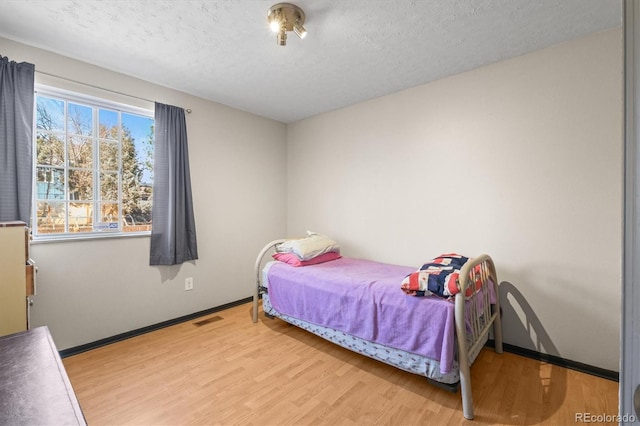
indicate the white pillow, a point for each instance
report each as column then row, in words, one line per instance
column 309, row 247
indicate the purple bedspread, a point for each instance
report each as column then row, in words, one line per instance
column 364, row 299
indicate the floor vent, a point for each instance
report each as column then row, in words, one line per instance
column 207, row 321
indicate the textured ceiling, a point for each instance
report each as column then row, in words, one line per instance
column 224, row 51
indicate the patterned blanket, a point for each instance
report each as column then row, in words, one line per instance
column 440, row 276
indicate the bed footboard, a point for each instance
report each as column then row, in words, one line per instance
column 485, row 316
column 258, row 268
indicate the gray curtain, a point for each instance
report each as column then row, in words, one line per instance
column 173, row 234
column 16, row 139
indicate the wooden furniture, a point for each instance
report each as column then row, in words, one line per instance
column 34, row 387
column 17, row 277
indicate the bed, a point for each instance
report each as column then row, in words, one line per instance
column 362, row 306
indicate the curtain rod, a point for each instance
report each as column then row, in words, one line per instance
column 188, row 111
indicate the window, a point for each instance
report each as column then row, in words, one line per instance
column 93, row 166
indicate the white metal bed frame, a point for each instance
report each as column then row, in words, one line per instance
column 468, row 342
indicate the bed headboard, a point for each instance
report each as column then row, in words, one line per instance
column 256, row 291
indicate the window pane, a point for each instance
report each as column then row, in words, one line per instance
column 50, row 217
column 79, row 120
column 109, row 186
column 80, row 217
column 109, row 212
column 49, row 183
column 80, row 185
column 137, row 210
column 109, row 157
column 50, row 149
column 137, row 176
column 80, row 152
column 109, row 124
column 138, row 135
column 49, row 114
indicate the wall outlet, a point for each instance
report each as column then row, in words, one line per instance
column 188, row 283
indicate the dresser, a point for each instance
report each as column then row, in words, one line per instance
column 17, row 277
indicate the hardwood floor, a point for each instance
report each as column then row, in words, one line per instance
column 232, row 371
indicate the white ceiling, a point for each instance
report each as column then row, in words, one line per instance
column 224, row 51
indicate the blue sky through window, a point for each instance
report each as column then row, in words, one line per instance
column 140, row 128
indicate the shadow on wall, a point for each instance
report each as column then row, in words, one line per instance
column 524, row 326
column 168, row 272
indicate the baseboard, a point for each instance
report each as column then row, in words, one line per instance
column 129, row 334
column 561, row 362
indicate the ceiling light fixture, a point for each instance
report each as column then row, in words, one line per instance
column 283, row 17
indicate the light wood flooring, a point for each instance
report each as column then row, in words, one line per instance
column 232, row 371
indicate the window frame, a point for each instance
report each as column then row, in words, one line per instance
column 95, row 103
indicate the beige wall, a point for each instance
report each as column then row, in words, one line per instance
column 90, row 290
column 521, row 159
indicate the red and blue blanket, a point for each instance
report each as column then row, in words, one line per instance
column 439, row 276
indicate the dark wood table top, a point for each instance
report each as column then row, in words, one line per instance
column 34, row 387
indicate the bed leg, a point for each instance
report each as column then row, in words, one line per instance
column 497, row 335
column 463, row 357
column 497, row 326
column 255, row 306
column 465, row 389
